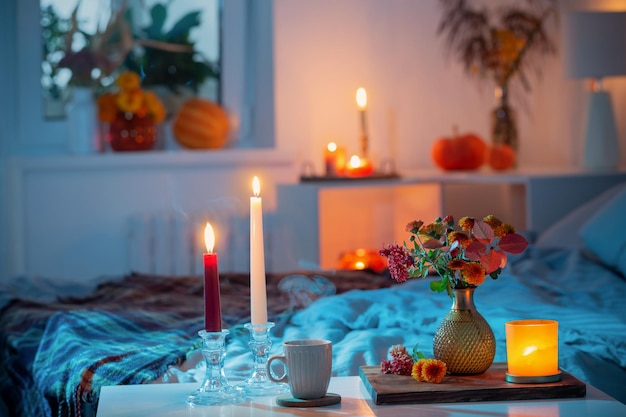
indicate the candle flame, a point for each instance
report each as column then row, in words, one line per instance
column 355, row 161
column 361, row 98
column 529, row 350
column 209, row 238
column 256, row 186
column 332, row 147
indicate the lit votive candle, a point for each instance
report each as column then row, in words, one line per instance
column 532, row 351
column 359, row 167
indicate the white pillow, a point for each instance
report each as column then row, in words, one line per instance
column 604, row 234
column 564, row 233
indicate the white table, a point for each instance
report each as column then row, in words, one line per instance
column 164, row 400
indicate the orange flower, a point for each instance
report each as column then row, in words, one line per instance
column 416, row 372
column 155, row 107
column 473, row 273
column 107, row 109
column 130, row 101
column 456, row 264
column 433, row 371
column 463, row 239
column 429, row 370
column 128, row 81
column 434, row 230
column 492, row 221
column 466, row 223
column 503, row 229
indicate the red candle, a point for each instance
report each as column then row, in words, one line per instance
column 212, row 306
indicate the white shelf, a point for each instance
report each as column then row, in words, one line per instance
column 157, row 159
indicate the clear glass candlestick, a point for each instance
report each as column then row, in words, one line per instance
column 260, row 343
column 215, row 389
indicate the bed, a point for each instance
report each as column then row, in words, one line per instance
column 60, row 342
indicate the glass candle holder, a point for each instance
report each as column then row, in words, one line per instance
column 532, row 351
column 260, row 344
column 215, row 389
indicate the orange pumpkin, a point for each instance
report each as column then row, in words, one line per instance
column 459, row 152
column 501, row 157
column 201, row 124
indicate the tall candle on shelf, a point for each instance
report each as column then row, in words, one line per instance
column 258, row 294
column 361, row 102
column 212, row 303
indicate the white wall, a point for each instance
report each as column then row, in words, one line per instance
column 325, row 49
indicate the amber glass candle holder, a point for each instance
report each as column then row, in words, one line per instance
column 532, row 351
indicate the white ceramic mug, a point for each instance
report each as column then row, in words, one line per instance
column 308, row 366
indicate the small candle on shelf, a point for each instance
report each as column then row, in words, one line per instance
column 532, row 351
column 258, row 294
column 361, row 102
column 359, row 167
column 212, row 304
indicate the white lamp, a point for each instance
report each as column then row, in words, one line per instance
column 594, row 46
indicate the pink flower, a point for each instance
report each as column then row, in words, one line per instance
column 399, row 261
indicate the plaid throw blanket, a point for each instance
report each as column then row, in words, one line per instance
column 56, row 356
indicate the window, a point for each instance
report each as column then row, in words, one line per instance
column 246, row 81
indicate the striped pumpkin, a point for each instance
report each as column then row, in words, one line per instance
column 201, row 124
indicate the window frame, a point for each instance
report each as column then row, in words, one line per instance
column 247, row 78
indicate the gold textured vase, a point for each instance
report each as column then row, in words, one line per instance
column 464, row 339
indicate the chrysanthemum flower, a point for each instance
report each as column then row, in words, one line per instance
column 416, row 372
column 414, row 226
column 399, row 261
column 128, row 81
column 433, row 371
column 492, row 221
column 503, row 229
column 466, row 223
column 130, row 101
column 398, row 351
column 434, row 230
column 463, row 239
column 456, row 264
column 385, row 367
column 473, row 273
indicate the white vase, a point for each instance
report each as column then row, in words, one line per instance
column 82, row 133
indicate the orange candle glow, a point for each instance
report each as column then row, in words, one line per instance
column 532, row 350
column 359, row 167
column 334, row 159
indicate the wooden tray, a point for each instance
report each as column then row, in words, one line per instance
column 374, row 176
column 490, row 386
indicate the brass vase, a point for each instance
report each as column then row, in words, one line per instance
column 464, row 339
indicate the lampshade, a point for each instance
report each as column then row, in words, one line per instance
column 594, row 44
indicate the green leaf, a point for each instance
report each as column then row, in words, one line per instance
column 416, row 354
column 158, row 13
column 438, row 286
column 180, row 30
